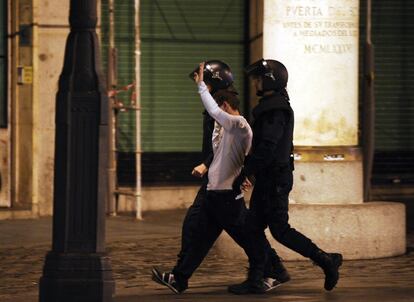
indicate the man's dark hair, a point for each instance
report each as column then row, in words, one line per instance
column 230, row 97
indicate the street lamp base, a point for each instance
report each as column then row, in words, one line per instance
column 79, row 277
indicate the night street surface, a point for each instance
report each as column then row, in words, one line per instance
column 135, row 247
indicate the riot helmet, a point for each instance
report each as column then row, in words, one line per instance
column 273, row 73
column 218, row 75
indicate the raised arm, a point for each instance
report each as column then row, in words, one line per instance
column 222, row 117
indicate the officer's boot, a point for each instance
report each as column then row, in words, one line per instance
column 253, row 285
column 275, row 268
column 330, row 264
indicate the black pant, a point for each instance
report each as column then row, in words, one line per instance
column 191, row 230
column 220, row 210
column 269, row 205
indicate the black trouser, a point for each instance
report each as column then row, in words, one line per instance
column 220, row 210
column 191, row 230
column 269, row 204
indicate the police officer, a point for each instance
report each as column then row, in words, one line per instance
column 218, row 77
column 270, row 165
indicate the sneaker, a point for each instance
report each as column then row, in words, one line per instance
column 247, row 287
column 278, row 272
column 166, row 279
column 275, row 269
column 270, row 284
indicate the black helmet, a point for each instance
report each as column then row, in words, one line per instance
column 217, row 74
column 273, row 73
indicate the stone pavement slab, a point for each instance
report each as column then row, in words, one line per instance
column 135, row 246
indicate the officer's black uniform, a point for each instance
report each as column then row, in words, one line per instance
column 271, row 163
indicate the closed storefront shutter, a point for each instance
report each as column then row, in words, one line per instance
column 393, row 28
column 392, row 35
column 3, row 63
column 175, row 36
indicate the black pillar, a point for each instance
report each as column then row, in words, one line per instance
column 77, row 268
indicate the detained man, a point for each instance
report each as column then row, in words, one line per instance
column 224, row 207
column 217, row 76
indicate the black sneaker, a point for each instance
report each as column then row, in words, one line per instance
column 166, row 279
column 278, row 272
column 275, row 269
column 248, row 287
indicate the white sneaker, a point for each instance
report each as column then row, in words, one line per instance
column 270, row 284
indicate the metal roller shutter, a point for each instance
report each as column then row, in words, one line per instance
column 175, row 36
column 393, row 25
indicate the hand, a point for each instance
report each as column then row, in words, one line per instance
column 199, row 77
column 199, row 170
column 246, row 185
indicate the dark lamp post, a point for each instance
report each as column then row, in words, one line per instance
column 77, row 268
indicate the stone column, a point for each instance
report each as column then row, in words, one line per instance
column 317, row 40
column 77, row 268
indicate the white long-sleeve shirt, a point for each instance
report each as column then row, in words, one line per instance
column 230, row 144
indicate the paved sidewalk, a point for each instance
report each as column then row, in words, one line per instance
column 135, row 246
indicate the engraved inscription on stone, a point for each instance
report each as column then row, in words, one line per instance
column 321, row 19
column 317, row 40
